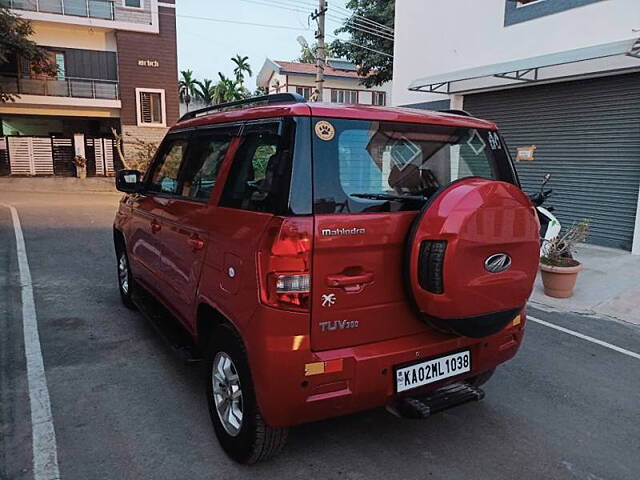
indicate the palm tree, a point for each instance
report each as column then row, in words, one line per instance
column 242, row 67
column 206, row 91
column 187, row 87
column 227, row 90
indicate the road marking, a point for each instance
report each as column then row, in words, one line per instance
column 45, row 451
column 585, row 337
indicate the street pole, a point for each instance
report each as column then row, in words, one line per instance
column 321, row 54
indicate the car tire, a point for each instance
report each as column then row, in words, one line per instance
column 481, row 379
column 242, row 432
column 126, row 283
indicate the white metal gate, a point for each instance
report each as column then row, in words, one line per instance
column 30, row 155
column 103, row 155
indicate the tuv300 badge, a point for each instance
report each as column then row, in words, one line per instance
column 325, row 131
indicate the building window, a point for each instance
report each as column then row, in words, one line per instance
column 133, row 3
column 379, row 99
column 151, row 107
column 344, row 96
column 518, row 11
column 304, row 91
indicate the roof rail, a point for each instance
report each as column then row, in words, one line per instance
column 247, row 102
column 456, row 112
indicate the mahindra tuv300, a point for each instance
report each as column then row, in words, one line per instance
column 328, row 259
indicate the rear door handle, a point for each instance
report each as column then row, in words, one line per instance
column 196, row 242
column 350, row 283
column 155, row 226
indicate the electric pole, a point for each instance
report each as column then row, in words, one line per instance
column 321, row 54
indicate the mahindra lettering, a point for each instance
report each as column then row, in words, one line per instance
column 324, row 259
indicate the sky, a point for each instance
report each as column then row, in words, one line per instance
column 206, row 46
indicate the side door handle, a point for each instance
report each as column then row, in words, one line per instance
column 350, row 283
column 155, row 226
column 196, row 242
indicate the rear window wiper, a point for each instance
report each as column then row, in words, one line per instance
column 389, row 196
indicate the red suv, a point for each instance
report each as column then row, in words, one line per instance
column 327, row 259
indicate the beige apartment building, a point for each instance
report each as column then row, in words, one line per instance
column 116, row 68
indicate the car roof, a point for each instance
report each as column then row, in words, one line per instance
column 332, row 110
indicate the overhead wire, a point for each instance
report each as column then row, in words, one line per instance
column 282, row 5
column 237, row 22
column 349, row 14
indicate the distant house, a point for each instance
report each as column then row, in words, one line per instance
column 110, row 73
column 342, row 82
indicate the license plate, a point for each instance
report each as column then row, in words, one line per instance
column 423, row 373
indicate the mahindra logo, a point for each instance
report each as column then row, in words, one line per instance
column 328, row 232
column 497, row 263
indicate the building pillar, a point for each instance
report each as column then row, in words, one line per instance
column 78, row 144
column 635, row 249
column 457, row 102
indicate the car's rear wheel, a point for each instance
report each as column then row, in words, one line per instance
column 239, row 426
column 126, row 283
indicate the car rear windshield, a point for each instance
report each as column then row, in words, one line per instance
column 365, row 166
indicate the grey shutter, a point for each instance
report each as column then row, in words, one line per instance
column 587, row 134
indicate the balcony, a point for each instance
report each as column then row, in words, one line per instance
column 67, row 87
column 102, row 9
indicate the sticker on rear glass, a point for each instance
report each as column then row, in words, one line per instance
column 325, row 131
column 494, row 141
column 404, row 152
column 476, row 143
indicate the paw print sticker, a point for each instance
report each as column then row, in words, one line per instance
column 325, row 131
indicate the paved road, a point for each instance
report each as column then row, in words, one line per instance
column 125, row 407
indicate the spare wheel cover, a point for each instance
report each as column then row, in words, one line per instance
column 472, row 256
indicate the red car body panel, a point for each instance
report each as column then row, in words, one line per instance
column 185, row 274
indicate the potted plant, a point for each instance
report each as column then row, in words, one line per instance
column 558, row 266
column 81, row 166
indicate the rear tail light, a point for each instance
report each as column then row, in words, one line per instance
column 284, row 261
column 430, row 265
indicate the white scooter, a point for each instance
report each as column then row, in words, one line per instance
column 549, row 225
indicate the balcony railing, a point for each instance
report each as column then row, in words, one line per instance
column 68, row 87
column 77, row 8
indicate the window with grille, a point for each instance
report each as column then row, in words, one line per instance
column 379, row 99
column 151, row 107
column 344, row 96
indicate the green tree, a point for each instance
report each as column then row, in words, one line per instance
column 14, row 44
column 205, row 90
column 228, row 90
column 241, row 67
column 187, row 86
column 377, row 68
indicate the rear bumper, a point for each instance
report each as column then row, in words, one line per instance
column 287, row 397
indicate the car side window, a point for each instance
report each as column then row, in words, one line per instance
column 261, row 170
column 204, row 159
column 164, row 177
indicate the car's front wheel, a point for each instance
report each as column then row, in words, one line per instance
column 239, row 426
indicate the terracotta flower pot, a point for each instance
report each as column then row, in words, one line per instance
column 559, row 282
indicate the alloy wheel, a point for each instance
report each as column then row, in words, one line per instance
column 123, row 273
column 227, row 393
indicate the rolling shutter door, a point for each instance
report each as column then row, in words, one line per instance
column 587, row 135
